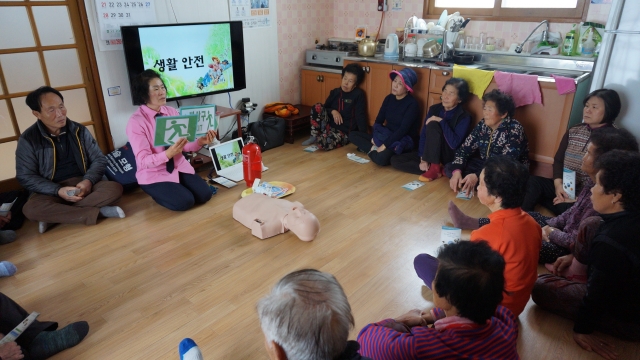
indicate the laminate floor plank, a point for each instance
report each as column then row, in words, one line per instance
column 146, row 281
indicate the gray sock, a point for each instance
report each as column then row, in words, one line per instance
column 310, row 141
column 112, row 212
column 7, row 236
column 42, row 226
column 48, row 343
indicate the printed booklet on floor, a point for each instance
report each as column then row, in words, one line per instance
column 356, row 158
column 449, row 234
column 413, row 185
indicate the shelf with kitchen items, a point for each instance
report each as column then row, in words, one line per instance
column 430, row 49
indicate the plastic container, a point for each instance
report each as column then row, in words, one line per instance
column 400, row 34
column 251, row 162
column 570, row 43
column 411, row 48
column 589, row 46
column 587, row 28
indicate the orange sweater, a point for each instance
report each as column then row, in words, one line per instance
column 517, row 237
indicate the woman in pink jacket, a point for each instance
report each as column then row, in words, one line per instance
column 163, row 172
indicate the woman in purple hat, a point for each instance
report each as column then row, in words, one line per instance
column 400, row 111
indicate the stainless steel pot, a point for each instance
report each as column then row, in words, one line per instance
column 367, row 47
column 431, row 49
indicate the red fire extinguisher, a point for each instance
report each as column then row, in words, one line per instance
column 251, row 162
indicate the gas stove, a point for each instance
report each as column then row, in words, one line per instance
column 326, row 57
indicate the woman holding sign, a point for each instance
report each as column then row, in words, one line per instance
column 162, row 171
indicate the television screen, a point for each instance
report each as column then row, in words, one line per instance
column 193, row 59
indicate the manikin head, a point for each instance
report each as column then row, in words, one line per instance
column 302, row 223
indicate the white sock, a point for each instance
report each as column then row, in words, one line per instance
column 112, row 212
column 189, row 350
column 42, row 226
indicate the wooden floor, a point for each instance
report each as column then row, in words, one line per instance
column 145, row 282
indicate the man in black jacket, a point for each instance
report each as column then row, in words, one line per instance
column 59, row 162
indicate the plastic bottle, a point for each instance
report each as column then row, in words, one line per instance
column 251, row 162
column 570, row 42
column 588, row 47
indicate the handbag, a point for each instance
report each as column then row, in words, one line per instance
column 121, row 167
column 268, row 133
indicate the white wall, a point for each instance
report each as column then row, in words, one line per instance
column 261, row 62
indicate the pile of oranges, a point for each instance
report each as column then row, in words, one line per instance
column 281, row 109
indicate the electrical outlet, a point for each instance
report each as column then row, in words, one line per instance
column 382, row 5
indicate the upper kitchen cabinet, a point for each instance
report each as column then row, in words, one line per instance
column 317, row 85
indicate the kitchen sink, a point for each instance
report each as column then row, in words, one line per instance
column 506, row 69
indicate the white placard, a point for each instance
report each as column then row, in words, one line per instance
column 569, row 182
column 111, row 15
column 450, row 234
column 252, row 13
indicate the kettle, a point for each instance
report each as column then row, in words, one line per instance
column 367, row 47
column 391, row 46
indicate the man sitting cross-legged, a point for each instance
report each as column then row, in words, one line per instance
column 61, row 165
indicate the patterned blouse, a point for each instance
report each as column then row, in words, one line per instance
column 507, row 139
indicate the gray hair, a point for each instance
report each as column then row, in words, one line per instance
column 308, row 315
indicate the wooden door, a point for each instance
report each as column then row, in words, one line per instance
column 378, row 87
column 330, row 81
column 438, row 78
column 311, row 88
column 46, row 43
column 420, row 89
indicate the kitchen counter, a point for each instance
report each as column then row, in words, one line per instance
column 578, row 69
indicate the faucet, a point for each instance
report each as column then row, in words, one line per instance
column 444, row 53
column 545, row 35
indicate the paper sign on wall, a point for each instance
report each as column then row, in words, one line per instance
column 252, row 13
column 207, row 119
column 171, row 128
column 111, row 15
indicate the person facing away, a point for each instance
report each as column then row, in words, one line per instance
column 511, row 232
column 59, row 162
column 307, row 317
column 468, row 321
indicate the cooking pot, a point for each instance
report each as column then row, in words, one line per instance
column 367, row 47
column 431, row 48
column 462, row 58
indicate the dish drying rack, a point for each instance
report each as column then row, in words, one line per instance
column 447, row 47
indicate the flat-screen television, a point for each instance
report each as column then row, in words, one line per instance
column 196, row 59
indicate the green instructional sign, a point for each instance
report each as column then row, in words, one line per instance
column 207, row 119
column 171, row 128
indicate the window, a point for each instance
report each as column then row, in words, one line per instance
column 523, row 10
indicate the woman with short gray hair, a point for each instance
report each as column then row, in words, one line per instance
column 307, row 316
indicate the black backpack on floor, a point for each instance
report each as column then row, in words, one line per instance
column 268, row 133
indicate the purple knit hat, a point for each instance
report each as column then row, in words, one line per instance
column 408, row 77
